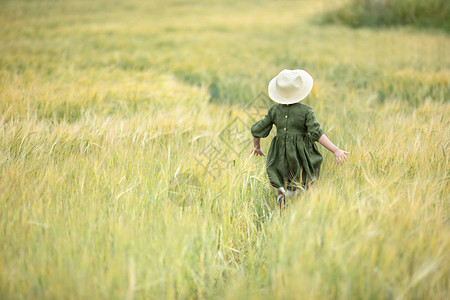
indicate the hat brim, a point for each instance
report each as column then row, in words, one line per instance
column 299, row 96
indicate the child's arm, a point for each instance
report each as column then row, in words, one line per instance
column 339, row 154
column 261, row 129
column 257, row 147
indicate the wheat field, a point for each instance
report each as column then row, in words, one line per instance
column 125, row 165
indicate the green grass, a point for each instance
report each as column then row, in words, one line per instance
column 381, row 13
column 102, row 102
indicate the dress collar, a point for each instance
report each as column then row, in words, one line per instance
column 290, row 104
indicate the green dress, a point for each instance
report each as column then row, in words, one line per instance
column 293, row 152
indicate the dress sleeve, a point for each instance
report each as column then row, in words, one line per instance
column 313, row 126
column 262, row 128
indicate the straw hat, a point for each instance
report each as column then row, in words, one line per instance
column 290, row 86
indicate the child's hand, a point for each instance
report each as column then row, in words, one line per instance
column 341, row 156
column 257, row 151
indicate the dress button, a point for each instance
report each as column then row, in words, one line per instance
column 285, row 128
column 286, row 117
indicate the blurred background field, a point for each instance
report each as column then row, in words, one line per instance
column 103, row 103
column 384, row 13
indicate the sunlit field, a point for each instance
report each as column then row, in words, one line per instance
column 125, row 165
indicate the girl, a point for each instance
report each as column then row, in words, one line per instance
column 293, row 152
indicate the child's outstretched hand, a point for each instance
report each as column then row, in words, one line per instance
column 341, row 156
column 257, row 151
column 257, row 147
